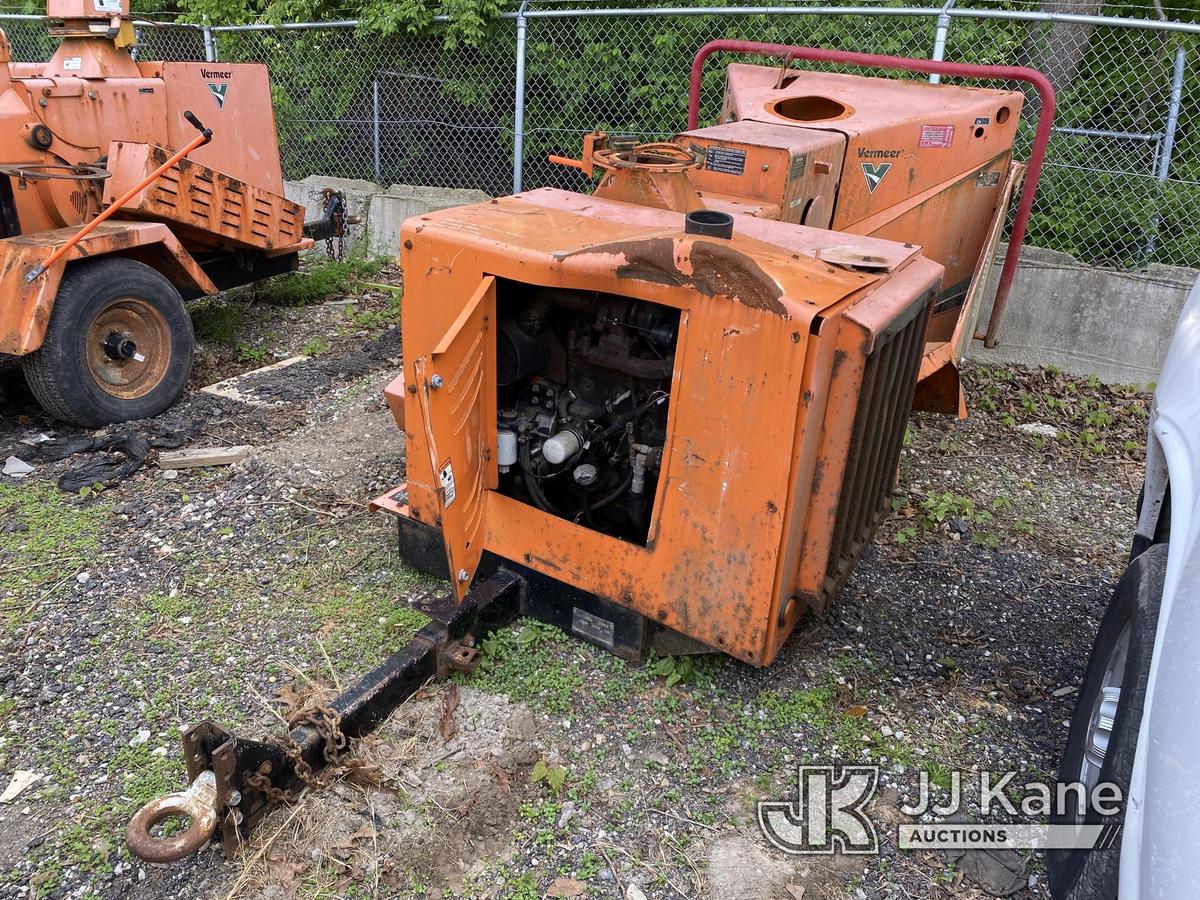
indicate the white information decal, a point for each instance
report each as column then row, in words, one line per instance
column 446, row 477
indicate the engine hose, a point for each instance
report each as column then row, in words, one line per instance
column 630, row 416
column 531, row 482
column 616, row 493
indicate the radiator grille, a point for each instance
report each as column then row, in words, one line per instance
column 884, row 403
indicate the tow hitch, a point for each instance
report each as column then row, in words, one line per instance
column 234, row 782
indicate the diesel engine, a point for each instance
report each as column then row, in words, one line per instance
column 584, row 388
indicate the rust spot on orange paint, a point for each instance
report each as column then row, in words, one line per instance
column 715, row 270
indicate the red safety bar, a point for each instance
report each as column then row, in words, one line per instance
column 928, row 67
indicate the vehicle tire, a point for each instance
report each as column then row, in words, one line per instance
column 1104, row 729
column 119, row 345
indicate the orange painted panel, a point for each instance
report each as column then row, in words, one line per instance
column 755, row 356
column 952, row 221
column 794, row 169
column 903, row 136
column 234, row 100
column 207, row 205
column 457, row 403
column 25, row 310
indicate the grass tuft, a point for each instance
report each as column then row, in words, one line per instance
column 317, row 283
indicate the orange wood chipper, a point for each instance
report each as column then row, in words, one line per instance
column 116, row 204
column 677, row 405
column 666, row 416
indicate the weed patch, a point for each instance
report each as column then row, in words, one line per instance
column 526, row 663
column 317, row 283
column 218, row 320
column 52, row 536
column 1090, row 418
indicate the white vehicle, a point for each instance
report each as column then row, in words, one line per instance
column 1137, row 722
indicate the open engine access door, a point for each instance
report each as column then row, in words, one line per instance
column 458, row 412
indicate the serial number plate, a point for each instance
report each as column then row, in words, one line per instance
column 725, row 160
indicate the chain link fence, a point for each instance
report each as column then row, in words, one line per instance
column 1121, row 185
column 405, row 111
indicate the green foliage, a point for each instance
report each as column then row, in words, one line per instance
column 938, row 507
column 1092, row 419
column 375, row 319
column 524, row 887
column 524, row 662
column 60, row 530
column 469, row 19
column 316, row 283
column 315, row 346
column 246, row 353
column 554, row 776
column 467, row 25
column 675, row 669
column 218, row 320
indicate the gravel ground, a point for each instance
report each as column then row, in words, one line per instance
column 236, row 594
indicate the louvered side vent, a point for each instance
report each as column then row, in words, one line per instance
column 198, row 197
column 884, row 404
column 165, row 192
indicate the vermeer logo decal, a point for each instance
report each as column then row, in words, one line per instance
column 219, row 87
column 874, row 174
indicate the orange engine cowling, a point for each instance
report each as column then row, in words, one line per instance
column 698, row 426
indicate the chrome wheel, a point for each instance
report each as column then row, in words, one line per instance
column 1104, row 712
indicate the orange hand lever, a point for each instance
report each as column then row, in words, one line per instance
column 565, row 161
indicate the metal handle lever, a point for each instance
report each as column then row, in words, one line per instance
column 198, row 125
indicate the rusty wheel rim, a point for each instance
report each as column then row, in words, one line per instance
column 128, row 348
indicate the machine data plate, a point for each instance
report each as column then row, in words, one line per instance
column 592, row 627
column 726, row 160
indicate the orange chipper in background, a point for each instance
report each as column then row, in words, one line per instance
column 114, row 210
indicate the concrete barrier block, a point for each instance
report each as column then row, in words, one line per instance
column 1089, row 321
column 389, row 209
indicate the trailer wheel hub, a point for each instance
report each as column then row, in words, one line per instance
column 117, row 346
column 128, row 348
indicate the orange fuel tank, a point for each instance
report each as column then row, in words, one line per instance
column 692, row 422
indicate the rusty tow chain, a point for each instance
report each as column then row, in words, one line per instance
column 335, row 244
column 327, row 722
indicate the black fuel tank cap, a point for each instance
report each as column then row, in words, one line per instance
column 709, row 222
